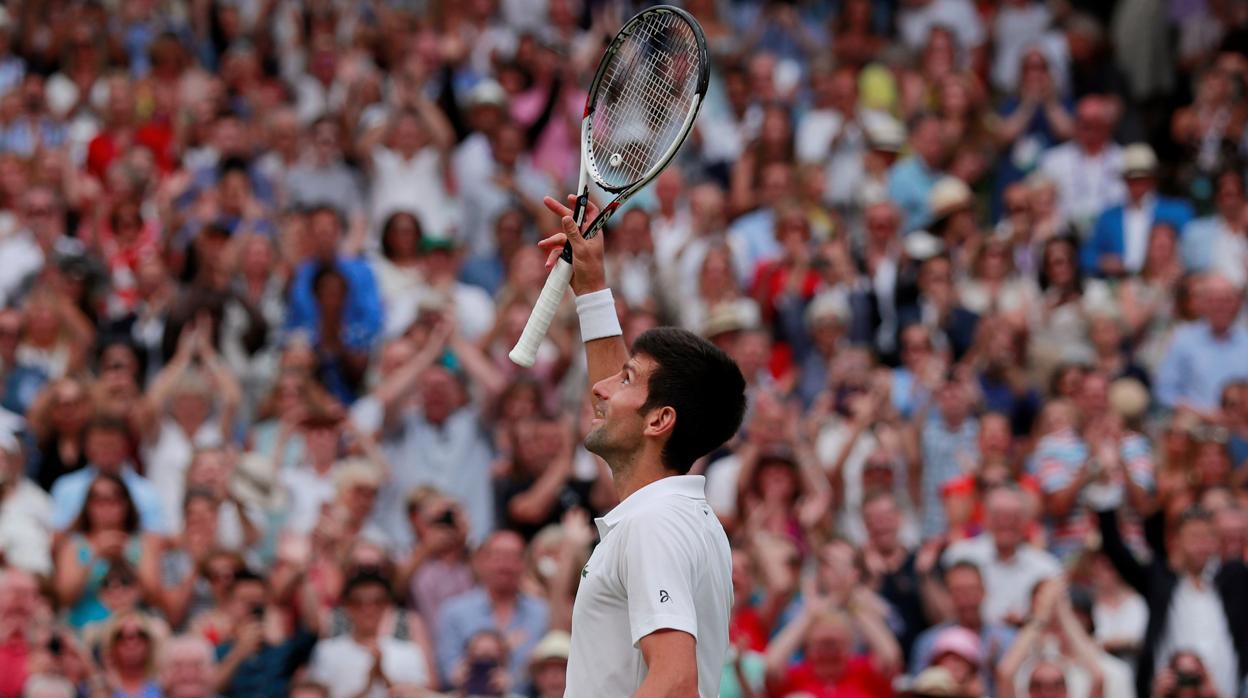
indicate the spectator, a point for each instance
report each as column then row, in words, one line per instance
column 186, row 668
column 258, row 655
column 548, row 664
column 365, row 662
column 358, row 316
column 910, row 181
column 1087, row 169
column 1204, row 356
column 965, row 589
column 1119, row 239
column 19, row 606
column 1010, row 565
column 105, row 532
column 1187, row 607
column 130, row 651
column 1216, row 242
column 496, row 604
column 25, row 514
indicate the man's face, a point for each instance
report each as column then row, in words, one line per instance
column 1232, row 529
column 106, row 450
column 365, row 606
column 1140, row 187
column 550, row 677
column 882, row 522
column 440, row 394
column 618, row 422
column 324, row 234
column 188, row 672
column 245, row 597
column 829, row 643
column 502, row 562
column 1198, row 543
column 882, row 222
column 1221, row 304
column 1092, row 123
column 19, row 595
column 966, row 592
column 928, row 142
column 1006, row 519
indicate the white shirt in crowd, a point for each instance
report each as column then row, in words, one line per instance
column 306, row 493
column 26, row 528
column 1086, row 184
column 1124, row 622
column 663, row 563
column 1197, row 623
column 414, row 185
column 345, row 666
column 1007, row 583
column 914, row 24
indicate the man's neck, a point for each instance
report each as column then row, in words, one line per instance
column 633, row 477
column 1005, row 552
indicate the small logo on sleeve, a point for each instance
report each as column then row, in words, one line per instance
column 664, row 597
column 585, row 571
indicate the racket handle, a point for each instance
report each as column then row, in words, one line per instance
column 543, row 313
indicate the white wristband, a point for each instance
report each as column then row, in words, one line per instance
column 597, row 314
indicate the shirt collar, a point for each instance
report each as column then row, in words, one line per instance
column 691, row 486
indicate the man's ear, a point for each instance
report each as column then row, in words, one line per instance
column 660, row 421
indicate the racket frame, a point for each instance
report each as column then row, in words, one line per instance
column 525, row 352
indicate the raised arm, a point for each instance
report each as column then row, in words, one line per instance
column 604, row 356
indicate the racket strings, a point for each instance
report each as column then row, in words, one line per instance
column 646, row 92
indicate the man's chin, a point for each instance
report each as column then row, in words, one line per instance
column 595, row 441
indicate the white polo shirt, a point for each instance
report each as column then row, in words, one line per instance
column 663, row 562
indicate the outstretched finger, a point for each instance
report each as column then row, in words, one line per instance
column 556, row 241
column 557, row 208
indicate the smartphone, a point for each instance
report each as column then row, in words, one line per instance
column 478, row 682
column 257, row 611
column 54, row 646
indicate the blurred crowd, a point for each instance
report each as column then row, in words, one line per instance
column 982, row 263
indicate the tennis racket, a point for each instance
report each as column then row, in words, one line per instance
column 645, row 95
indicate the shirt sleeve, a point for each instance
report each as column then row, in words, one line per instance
column 659, row 569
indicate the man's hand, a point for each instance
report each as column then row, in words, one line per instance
column 588, row 268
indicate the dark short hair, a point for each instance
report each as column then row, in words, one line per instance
column 702, row 383
column 106, row 423
column 1194, row 513
column 966, row 565
column 246, row 576
column 367, row 578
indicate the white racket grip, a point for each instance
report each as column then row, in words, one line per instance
column 543, row 313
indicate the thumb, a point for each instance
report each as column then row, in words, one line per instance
column 570, row 228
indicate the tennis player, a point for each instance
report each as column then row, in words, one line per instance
column 651, row 612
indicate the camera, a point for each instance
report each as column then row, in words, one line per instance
column 446, row 519
column 1187, row 679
